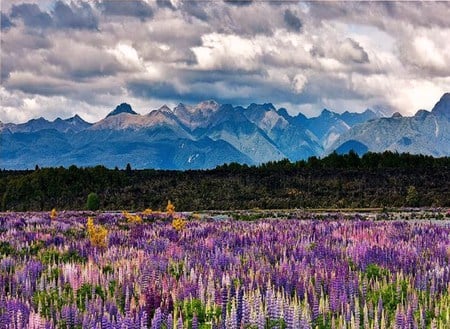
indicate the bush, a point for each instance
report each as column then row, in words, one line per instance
column 93, row 202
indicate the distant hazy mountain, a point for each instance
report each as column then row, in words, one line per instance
column 209, row 134
column 74, row 124
column 424, row 133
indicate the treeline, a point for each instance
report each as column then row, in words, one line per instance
column 373, row 180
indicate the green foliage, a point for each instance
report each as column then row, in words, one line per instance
column 375, row 272
column 107, row 269
column 93, row 202
column 373, row 180
column 52, row 299
column 112, row 287
column 412, row 197
column 275, row 324
column 34, row 248
column 6, row 249
column 87, row 292
column 53, row 256
column 389, row 295
column 176, row 269
column 75, row 233
column 323, row 322
column 193, row 306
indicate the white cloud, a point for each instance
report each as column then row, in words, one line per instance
column 127, row 55
column 299, row 82
column 429, row 55
column 227, row 52
column 345, row 56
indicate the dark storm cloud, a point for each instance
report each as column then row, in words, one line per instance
column 5, row 22
column 383, row 13
column 71, row 16
column 239, row 2
column 165, row 4
column 32, row 84
column 197, row 92
column 292, row 21
column 221, row 86
column 132, row 8
column 195, row 9
column 64, row 52
column 159, row 90
column 31, row 15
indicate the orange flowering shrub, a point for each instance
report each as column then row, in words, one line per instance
column 98, row 234
column 147, row 212
column 132, row 218
column 53, row 214
column 170, row 208
column 178, row 223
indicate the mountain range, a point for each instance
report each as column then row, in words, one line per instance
column 209, row 134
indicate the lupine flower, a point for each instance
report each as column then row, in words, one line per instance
column 300, row 273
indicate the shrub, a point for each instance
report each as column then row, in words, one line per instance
column 132, row 218
column 93, row 202
column 98, row 234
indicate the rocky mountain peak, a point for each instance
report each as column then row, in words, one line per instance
column 165, row 109
column 122, row 108
column 443, row 106
column 208, row 104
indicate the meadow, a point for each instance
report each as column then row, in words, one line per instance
column 172, row 270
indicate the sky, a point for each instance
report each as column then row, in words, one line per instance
column 60, row 58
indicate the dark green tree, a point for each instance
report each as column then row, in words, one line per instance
column 412, row 197
column 93, row 201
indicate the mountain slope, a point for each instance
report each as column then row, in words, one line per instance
column 424, row 133
column 288, row 133
column 209, row 134
column 231, row 125
column 71, row 125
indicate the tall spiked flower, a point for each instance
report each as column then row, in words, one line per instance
column 157, row 319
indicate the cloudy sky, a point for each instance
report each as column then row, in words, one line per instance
column 59, row 58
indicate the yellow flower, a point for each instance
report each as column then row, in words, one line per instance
column 90, row 224
column 170, row 208
column 53, row 214
column 98, row 234
column 178, row 223
column 147, row 212
column 132, row 218
column 136, row 219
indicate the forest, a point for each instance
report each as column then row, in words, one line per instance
column 379, row 180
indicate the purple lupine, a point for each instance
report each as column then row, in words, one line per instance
column 281, row 272
column 194, row 324
column 157, row 319
column 240, row 296
column 315, row 309
column 224, row 303
column 169, row 321
column 399, row 319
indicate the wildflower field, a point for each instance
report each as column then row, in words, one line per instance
column 121, row 270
